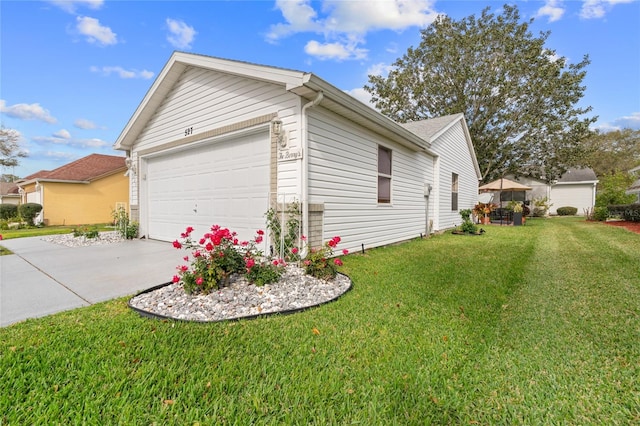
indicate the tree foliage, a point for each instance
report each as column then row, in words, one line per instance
column 612, row 190
column 10, row 151
column 613, row 152
column 518, row 97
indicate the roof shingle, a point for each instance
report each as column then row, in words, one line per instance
column 87, row 168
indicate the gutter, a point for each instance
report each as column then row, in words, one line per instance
column 305, row 162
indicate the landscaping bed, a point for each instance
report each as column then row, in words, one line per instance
column 631, row 226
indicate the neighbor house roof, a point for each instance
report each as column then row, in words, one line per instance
column 575, row 175
column 8, row 188
column 303, row 84
column 86, row 169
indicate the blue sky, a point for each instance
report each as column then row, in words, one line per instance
column 73, row 72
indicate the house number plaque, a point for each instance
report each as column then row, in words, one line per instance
column 188, row 131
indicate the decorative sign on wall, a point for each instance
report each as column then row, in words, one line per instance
column 289, row 154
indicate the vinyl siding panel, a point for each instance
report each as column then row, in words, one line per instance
column 455, row 157
column 581, row 196
column 343, row 175
column 206, row 100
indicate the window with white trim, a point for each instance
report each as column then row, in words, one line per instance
column 384, row 175
column 454, row 191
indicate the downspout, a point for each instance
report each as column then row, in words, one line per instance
column 305, row 163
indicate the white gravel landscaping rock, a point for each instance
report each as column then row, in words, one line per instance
column 294, row 291
column 69, row 240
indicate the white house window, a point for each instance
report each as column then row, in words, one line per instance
column 454, row 191
column 384, row 175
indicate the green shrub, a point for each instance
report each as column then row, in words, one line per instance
column 612, row 190
column 127, row 228
column 29, row 211
column 630, row 212
column 87, row 232
column 318, row 264
column 541, row 206
column 600, row 213
column 567, row 211
column 8, row 211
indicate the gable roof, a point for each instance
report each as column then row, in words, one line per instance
column 431, row 129
column 303, row 84
column 576, row 174
column 8, row 188
column 85, row 170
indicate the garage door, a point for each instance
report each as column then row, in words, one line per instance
column 224, row 183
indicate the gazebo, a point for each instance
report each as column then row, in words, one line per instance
column 501, row 185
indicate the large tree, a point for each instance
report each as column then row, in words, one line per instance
column 518, row 97
column 10, row 150
column 613, row 152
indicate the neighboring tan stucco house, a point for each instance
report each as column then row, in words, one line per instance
column 86, row 191
column 216, row 141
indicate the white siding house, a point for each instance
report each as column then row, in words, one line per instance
column 213, row 140
column 575, row 188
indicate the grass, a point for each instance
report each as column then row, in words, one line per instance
column 47, row 230
column 42, row 231
column 524, row 325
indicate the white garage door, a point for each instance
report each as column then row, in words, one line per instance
column 224, row 183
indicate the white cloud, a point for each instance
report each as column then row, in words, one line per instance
column 27, row 112
column 397, row 15
column 361, row 95
column 123, row 73
column 58, row 155
column 181, row 35
column 334, row 50
column 76, row 143
column 593, row 9
column 300, row 17
column 553, row 9
column 91, row 28
column 62, row 133
column 630, row 121
column 71, row 5
column 348, row 20
column 84, row 124
column 380, row 69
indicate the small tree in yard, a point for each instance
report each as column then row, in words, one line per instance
column 611, row 190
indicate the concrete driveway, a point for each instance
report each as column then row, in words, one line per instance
column 42, row 278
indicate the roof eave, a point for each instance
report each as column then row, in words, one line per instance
column 377, row 122
column 171, row 72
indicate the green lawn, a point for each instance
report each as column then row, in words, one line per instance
column 47, row 230
column 524, row 325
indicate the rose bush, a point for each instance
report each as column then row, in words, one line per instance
column 319, row 263
column 217, row 256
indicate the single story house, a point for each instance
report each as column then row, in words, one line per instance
column 575, row 188
column 9, row 193
column 217, row 141
column 85, row 191
column 635, row 186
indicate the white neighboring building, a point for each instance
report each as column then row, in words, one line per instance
column 214, row 140
column 575, row 188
